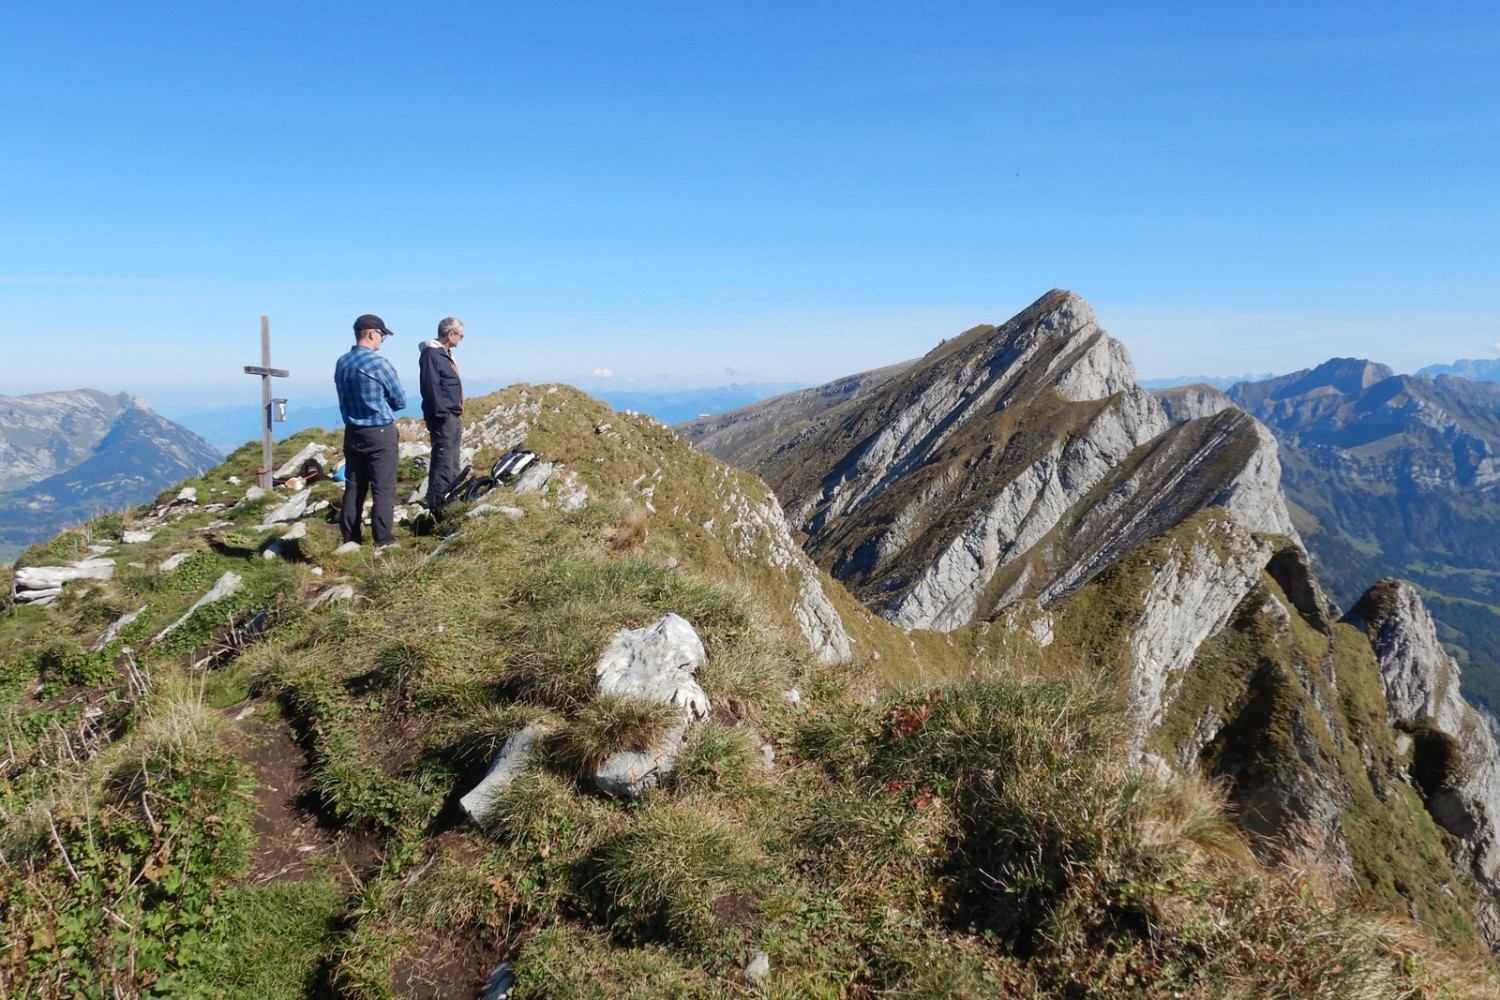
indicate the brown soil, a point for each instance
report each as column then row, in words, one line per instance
column 446, row 963
column 454, row 964
column 291, row 843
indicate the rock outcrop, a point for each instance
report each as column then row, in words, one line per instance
column 655, row 663
column 1189, row 402
column 1421, row 682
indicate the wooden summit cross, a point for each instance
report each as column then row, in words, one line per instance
column 266, row 373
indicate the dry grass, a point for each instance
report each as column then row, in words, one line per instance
column 629, row 537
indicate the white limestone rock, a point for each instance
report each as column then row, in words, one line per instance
column 314, row 449
column 535, row 478
column 484, row 509
column 53, row 577
column 1191, row 596
column 657, row 663
column 820, row 622
column 173, row 561
column 758, row 968
column 1024, row 512
column 108, row 635
column 628, row 773
column 292, row 510
column 413, row 448
column 510, row 763
column 338, row 592
column 227, row 585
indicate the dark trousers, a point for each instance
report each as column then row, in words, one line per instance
column 370, row 457
column 447, row 433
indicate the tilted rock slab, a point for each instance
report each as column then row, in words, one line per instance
column 656, row 662
column 288, row 512
column 228, row 584
column 1422, row 681
column 1191, row 597
column 53, row 577
column 108, row 635
column 510, row 763
column 293, row 465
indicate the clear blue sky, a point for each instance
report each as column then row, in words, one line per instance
column 697, row 193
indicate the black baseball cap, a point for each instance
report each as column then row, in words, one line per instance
column 369, row 321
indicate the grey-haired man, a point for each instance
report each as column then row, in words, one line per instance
column 442, row 408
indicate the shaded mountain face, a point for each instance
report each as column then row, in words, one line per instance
column 1396, row 475
column 70, row 456
column 1010, row 462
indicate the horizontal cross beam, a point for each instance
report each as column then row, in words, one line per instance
column 273, row 372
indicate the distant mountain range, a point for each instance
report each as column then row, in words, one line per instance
column 1397, row 475
column 226, row 428
column 69, row 456
column 1483, row 370
column 1217, row 381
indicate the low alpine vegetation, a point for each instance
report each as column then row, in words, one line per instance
column 267, row 801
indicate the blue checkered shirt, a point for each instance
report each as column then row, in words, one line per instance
column 369, row 388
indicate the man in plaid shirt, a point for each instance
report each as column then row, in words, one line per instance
column 369, row 390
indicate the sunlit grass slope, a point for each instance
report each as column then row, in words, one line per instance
column 935, row 816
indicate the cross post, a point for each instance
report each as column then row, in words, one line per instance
column 266, row 373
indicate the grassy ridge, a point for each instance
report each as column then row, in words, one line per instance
column 928, row 819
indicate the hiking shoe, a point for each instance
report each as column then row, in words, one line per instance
column 381, row 550
column 347, row 547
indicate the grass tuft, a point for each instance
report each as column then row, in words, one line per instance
column 612, row 723
column 664, row 874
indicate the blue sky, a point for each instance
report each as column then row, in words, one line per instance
column 693, row 194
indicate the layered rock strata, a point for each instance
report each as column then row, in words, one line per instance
column 1011, row 462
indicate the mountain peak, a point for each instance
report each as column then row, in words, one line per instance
column 1013, row 461
column 1350, row 374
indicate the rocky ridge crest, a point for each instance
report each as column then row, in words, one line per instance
column 1421, row 683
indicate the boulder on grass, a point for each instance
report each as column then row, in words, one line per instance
column 656, row 663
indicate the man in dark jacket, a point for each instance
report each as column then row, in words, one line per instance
column 442, row 408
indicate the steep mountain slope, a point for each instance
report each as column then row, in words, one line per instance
column 260, row 794
column 1017, row 478
column 1009, row 462
column 1455, row 759
column 1395, row 475
column 70, row 456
